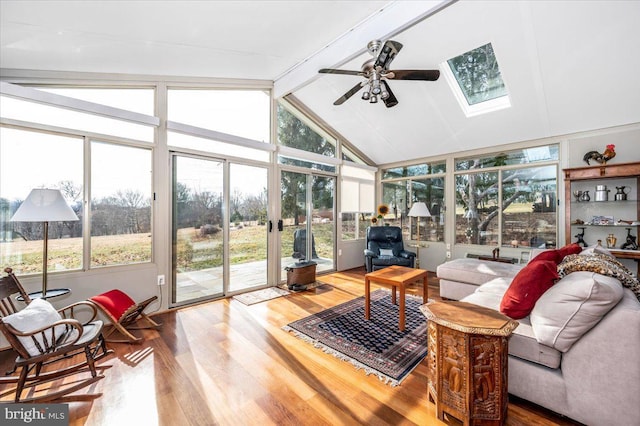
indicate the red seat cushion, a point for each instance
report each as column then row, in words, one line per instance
column 527, row 287
column 115, row 302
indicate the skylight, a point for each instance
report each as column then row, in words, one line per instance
column 476, row 81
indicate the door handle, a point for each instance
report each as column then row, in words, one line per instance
column 270, row 227
column 280, row 225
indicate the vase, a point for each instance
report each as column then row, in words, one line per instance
column 611, row 241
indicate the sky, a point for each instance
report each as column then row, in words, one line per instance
column 54, row 158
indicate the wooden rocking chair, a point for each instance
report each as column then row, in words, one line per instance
column 124, row 313
column 42, row 336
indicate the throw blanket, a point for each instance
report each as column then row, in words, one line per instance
column 601, row 264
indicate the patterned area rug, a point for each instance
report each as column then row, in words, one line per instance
column 377, row 346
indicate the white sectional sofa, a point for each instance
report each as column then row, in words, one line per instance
column 558, row 358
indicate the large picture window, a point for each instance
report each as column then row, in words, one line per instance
column 243, row 113
column 120, row 204
column 507, row 200
column 58, row 162
column 115, row 185
column 296, row 133
column 424, row 183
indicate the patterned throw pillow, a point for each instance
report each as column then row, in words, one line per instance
column 600, row 264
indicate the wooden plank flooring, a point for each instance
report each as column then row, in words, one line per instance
column 224, row 363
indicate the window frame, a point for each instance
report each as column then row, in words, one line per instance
column 435, row 169
column 499, row 170
column 36, row 96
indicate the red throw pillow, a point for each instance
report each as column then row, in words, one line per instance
column 552, row 255
column 559, row 254
column 569, row 249
column 527, row 287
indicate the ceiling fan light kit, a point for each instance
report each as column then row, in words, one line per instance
column 376, row 72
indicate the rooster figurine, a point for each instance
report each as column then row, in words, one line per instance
column 607, row 155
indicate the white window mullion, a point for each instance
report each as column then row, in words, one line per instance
column 52, row 99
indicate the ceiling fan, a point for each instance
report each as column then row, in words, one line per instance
column 376, row 71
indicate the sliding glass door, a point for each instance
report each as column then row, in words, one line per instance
column 198, row 244
column 307, row 208
column 219, row 233
column 248, row 233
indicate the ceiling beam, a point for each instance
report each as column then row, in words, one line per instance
column 386, row 23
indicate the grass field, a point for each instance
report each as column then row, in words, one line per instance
column 247, row 244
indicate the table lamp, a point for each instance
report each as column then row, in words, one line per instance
column 419, row 210
column 44, row 205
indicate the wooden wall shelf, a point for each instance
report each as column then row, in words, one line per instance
column 603, row 174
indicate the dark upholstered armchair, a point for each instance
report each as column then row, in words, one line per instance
column 385, row 248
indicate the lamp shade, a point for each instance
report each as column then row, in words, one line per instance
column 419, row 210
column 44, row 205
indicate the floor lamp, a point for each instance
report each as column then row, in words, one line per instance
column 419, row 210
column 44, row 205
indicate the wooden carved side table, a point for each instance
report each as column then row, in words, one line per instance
column 468, row 347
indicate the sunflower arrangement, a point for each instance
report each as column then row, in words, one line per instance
column 383, row 209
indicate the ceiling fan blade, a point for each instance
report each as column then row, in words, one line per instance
column 391, row 101
column 428, row 75
column 349, row 94
column 335, row 71
column 386, row 54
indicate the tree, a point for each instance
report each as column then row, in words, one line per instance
column 478, row 74
column 132, row 202
column 294, row 133
column 72, row 193
column 207, row 207
column 254, row 207
column 474, row 190
column 235, row 204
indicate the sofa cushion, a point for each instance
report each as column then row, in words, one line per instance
column 522, row 342
column 489, row 294
column 527, row 287
column 455, row 290
column 601, row 264
column 572, row 307
column 474, row 271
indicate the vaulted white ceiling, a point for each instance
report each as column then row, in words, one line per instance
column 569, row 65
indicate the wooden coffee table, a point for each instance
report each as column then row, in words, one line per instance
column 394, row 277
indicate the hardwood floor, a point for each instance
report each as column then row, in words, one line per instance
column 226, row 363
